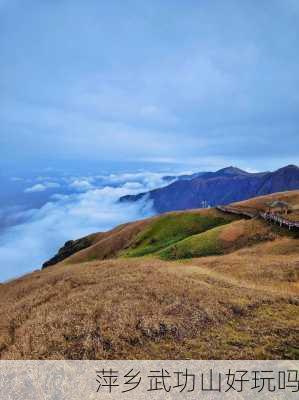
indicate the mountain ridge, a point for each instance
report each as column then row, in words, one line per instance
column 164, row 288
column 152, row 236
column 222, row 187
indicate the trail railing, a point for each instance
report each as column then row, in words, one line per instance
column 243, row 213
column 269, row 217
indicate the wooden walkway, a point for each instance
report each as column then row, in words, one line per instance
column 276, row 219
column 269, row 217
column 237, row 211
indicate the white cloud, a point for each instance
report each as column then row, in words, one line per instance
column 251, row 170
column 133, row 185
column 36, row 188
column 41, row 187
column 26, row 246
column 81, row 185
column 148, row 180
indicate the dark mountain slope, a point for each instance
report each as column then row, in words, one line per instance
column 221, row 187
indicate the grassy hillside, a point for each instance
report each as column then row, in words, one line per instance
column 258, row 203
column 172, row 228
column 240, row 301
column 220, row 240
column 148, row 236
column 241, row 305
column 184, row 234
column 203, row 244
column 111, row 243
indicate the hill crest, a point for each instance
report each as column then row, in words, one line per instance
column 173, row 235
column 219, row 188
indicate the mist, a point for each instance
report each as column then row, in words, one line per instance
column 87, row 209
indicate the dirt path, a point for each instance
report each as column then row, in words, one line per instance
column 218, row 279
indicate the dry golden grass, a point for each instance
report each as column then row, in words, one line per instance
column 244, row 233
column 241, row 305
column 259, row 203
column 108, row 244
column 150, row 235
column 112, row 243
column 294, row 215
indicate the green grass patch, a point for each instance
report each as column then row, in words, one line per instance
column 172, row 228
column 200, row 245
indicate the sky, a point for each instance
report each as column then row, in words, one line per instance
column 100, row 99
column 205, row 83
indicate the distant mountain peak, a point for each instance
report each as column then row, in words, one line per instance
column 231, row 170
column 225, row 186
column 289, row 167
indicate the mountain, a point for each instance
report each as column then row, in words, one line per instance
column 195, row 284
column 141, row 237
column 221, row 187
column 179, row 234
column 168, row 178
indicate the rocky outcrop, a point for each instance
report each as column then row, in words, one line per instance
column 70, row 247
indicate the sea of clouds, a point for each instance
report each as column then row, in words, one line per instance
column 75, row 207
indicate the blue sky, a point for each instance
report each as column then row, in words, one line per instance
column 208, row 83
column 98, row 98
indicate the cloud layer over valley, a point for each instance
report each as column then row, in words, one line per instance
column 91, row 205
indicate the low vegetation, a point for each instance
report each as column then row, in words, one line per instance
column 172, row 228
column 240, row 301
column 220, row 240
column 240, row 305
column 200, row 245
